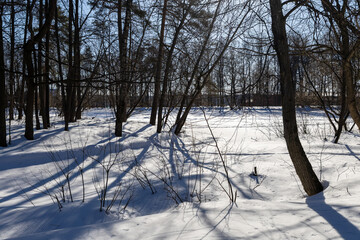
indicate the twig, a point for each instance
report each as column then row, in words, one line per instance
column 230, row 192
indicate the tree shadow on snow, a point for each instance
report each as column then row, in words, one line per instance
column 352, row 152
column 343, row 226
column 216, row 224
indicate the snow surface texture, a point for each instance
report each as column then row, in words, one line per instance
column 166, row 187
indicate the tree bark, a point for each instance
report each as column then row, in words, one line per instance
column 39, row 89
column 29, row 109
column 304, row 170
column 180, row 120
column 343, row 114
column 338, row 14
column 122, row 96
column 12, row 61
column 21, row 86
column 155, row 103
column 2, row 85
column 77, row 60
column 348, row 79
column 205, row 74
column 46, row 110
column 28, row 48
column 118, row 121
column 36, row 87
column 167, row 71
column 70, row 76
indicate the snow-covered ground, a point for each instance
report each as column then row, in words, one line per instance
column 166, row 187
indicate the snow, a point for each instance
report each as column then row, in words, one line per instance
column 186, row 175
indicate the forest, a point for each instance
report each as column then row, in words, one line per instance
column 172, row 56
column 151, row 88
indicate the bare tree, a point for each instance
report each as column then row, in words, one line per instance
column 155, row 103
column 202, row 76
column 123, row 84
column 2, row 84
column 12, row 62
column 28, row 48
column 301, row 163
column 169, row 59
column 339, row 14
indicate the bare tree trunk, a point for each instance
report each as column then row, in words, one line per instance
column 28, row 48
column 338, row 14
column 77, row 61
column 167, row 71
column 39, row 89
column 180, row 120
column 124, row 62
column 122, row 97
column 155, row 103
column 60, row 71
column 2, row 85
column 350, row 86
column 304, row 170
column 232, row 83
column 12, row 61
column 36, row 87
column 21, row 87
column 118, row 121
column 206, row 74
column 29, row 110
column 46, row 110
column 343, row 113
column 70, row 76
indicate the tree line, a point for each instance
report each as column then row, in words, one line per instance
column 172, row 55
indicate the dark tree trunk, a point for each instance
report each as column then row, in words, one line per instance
column 39, row 89
column 301, row 163
column 122, row 96
column 2, row 85
column 12, row 61
column 232, row 83
column 21, row 86
column 124, row 62
column 180, row 119
column 70, row 76
column 205, row 75
column 338, row 14
column 350, row 88
column 343, row 113
column 28, row 48
column 36, row 86
column 77, row 61
column 46, row 110
column 155, row 103
column 167, row 71
column 29, row 109
column 118, row 121
column 60, row 70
